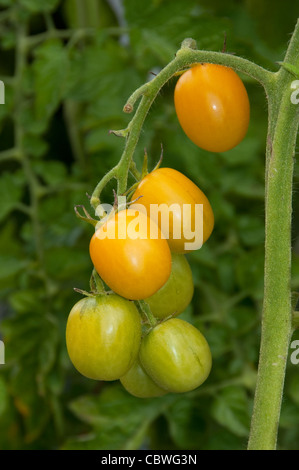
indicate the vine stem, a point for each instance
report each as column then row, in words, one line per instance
column 185, row 57
column 144, row 307
column 277, row 325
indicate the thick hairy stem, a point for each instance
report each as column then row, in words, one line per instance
column 277, row 308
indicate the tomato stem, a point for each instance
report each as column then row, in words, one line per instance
column 277, row 325
column 144, row 307
column 96, row 283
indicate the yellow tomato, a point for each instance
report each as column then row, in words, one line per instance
column 103, row 335
column 132, row 262
column 176, row 294
column 212, row 106
column 170, row 198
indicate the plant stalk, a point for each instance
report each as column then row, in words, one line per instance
column 277, row 308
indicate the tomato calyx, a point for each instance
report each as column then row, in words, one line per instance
column 119, row 203
column 96, row 284
column 84, row 292
column 87, row 217
column 160, row 159
column 146, row 313
column 144, row 171
column 149, row 321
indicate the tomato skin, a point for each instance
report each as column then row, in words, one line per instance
column 132, row 268
column 138, row 383
column 176, row 294
column 212, row 106
column 103, row 335
column 176, row 356
column 171, row 187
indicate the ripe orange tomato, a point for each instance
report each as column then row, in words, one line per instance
column 212, row 106
column 173, row 192
column 131, row 262
column 103, row 335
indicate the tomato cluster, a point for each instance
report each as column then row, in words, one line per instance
column 132, row 333
column 111, row 336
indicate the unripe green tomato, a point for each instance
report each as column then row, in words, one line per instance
column 138, row 383
column 103, row 336
column 176, row 294
column 176, row 356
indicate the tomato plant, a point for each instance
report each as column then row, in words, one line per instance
column 138, row 383
column 59, row 106
column 131, row 262
column 177, row 198
column 212, row 106
column 176, row 294
column 103, row 336
column 176, row 356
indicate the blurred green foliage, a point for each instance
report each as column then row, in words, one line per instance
column 65, row 87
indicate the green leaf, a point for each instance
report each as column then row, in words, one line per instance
column 295, row 271
column 36, row 6
column 153, row 20
column 252, row 231
column 231, row 409
column 50, row 71
column 219, row 340
column 7, row 109
column 10, row 193
column 63, row 263
column 224, row 440
column 34, row 145
column 289, row 416
column 290, row 68
column 241, row 319
column 250, row 272
column 25, row 300
column 47, row 355
column 293, row 388
column 3, row 396
column 187, row 423
column 119, row 420
column 52, row 172
column 245, row 153
column 10, row 266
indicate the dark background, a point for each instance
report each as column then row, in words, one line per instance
column 65, row 87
